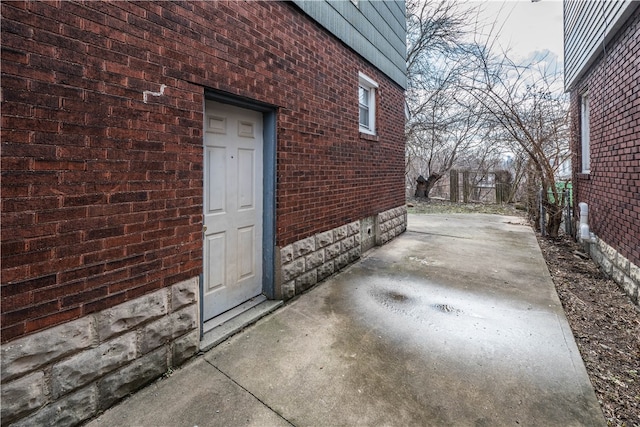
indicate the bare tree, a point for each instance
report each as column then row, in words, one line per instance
column 528, row 104
column 443, row 119
column 466, row 99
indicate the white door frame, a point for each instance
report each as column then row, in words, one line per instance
column 269, row 187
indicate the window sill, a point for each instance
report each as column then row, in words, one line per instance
column 369, row 137
column 584, row 176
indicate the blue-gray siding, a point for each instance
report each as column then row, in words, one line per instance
column 588, row 27
column 374, row 29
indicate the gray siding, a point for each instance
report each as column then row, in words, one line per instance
column 588, row 27
column 374, row 29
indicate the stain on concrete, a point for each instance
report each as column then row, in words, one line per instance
column 478, row 337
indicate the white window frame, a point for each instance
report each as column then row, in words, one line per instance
column 585, row 136
column 371, row 87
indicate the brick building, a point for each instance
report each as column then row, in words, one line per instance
column 602, row 74
column 164, row 164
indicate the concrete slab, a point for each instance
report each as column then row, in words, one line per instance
column 235, row 323
column 456, row 322
column 195, row 395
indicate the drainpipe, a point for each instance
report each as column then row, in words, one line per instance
column 585, row 235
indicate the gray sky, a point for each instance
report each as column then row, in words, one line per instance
column 528, row 26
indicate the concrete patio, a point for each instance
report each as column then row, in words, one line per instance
column 454, row 323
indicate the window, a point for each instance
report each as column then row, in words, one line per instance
column 367, row 104
column 584, row 133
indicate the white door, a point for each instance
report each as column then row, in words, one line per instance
column 232, row 207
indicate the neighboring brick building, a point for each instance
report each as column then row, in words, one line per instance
column 602, row 73
column 164, row 162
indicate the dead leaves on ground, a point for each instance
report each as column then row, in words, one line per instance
column 606, row 326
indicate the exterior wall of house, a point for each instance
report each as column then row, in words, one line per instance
column 587, row 25
column 102, row 117
column 374, row 29
column 612, row 187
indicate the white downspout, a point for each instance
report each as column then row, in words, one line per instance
column 584, row 234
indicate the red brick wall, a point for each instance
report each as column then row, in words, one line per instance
column 102, row 193
column 612, row 189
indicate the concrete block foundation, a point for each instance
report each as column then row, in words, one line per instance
column 625, row 273
column 68, row 373
column 313, row 259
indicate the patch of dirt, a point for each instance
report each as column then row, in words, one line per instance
column 606, row 326
column 604, row 321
